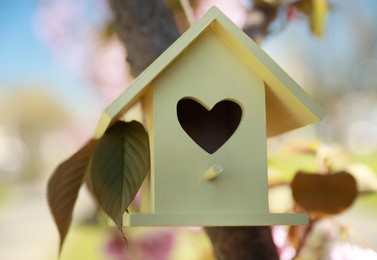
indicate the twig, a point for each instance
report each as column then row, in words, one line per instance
column 304, row 238
column 188, row 11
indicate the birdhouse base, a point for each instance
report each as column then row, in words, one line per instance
column 135, row 219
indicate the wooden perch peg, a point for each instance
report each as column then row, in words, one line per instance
column 213, row 172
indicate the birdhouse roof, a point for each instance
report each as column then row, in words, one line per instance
column 287, row 105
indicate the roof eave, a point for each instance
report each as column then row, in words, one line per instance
column 137, row 88
column 288, row 91
column 278, row 80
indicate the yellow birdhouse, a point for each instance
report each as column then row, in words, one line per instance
column 210, row 102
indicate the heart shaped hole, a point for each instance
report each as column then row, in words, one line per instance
column 210, row 129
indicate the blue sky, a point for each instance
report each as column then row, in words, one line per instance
column 25, row 60
column 22, row 55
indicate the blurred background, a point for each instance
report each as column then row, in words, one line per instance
column 61, row 64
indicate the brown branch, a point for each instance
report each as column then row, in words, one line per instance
column 367, row 192
column 242, row 243
column 302, row 241
column 259, row 19
column 146, row 28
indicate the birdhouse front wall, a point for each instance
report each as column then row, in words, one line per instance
column 208, row 72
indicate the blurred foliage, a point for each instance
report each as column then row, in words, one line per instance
column 86, row 242
column 367, row 159
column 161, row 243
column 32, row 111
column 329, row 188
column 287, row 165
column 27, row 116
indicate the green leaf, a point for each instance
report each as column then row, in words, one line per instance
column 119, row 165
column 64, row 185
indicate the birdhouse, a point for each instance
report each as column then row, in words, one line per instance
column 210, row 101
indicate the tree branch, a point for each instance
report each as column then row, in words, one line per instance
column 242, row 243
column 146, row 28
column 259, row 19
